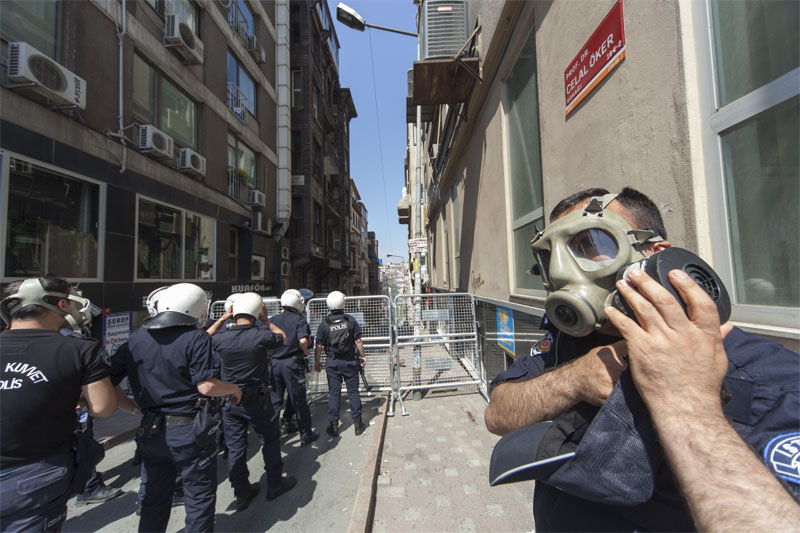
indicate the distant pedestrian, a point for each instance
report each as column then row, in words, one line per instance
column 340, row 336
column 289, row 363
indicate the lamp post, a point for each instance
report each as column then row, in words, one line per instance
column 350, row 18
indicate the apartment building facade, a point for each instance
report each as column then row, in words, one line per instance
column 140, row 145
column 694, row 103
column 321, row 113
column 358, row 274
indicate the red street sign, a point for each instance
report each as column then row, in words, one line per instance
column 602, row 52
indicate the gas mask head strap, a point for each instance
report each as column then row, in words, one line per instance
column 32, row 292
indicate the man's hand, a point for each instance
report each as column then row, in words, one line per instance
column 318, row 367
column 675, row 359
column 599, row 370
column 236, row 395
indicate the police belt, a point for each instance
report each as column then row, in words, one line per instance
column 344, row 357
column 296, row 355
column 178, row 420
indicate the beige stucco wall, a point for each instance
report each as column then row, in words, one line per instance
column 632, row 129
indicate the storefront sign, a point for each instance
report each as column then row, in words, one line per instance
column 604, row 50
column 505, row 329
column 251, row 287
column 116, row 330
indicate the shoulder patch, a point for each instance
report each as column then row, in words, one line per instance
column 782, row 455
column 543, row 346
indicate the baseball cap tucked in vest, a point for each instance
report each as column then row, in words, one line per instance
column 607, row 455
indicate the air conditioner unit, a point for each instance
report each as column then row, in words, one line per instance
column 191, row 162
column 284, row 252
column 179, row 35
column 285, row 268
column 260, row 223
column 257, row 51
column 258, row 269
column 28, row 65
column 256, row 198
column 155, row 142
column 444, row 28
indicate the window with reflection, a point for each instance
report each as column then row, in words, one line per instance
column 52, row 225
column 173, row 244
column 32, row 21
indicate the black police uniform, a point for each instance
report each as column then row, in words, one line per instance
column 288, row 368
column 164, row 367
column 341, row 368
column 41, row 375
column 242, row 353
column 764, row 380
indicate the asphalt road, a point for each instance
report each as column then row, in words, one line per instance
column 328, row 475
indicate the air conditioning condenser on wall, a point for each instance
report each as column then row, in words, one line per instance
column 28, row 65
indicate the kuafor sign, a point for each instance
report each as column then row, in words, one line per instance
column 604, row 50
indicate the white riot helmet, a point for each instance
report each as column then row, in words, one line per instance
column 182, row 304
column 249, row 304
column 335, row 301
column 32, row 292
column 294, row 300
column 230, row 299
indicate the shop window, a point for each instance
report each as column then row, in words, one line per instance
column 525, row 166
column 158, row 101
column 172, row 243
column 34, row 22
column 53, row 223
column 239, row 77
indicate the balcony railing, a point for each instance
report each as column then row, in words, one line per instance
column 237, row 101
column 238, row 187
column 238, row 22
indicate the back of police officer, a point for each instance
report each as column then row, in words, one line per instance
column 242, row 353
column 172, row 375
column 42, row 376
column 288, row 362
column 340, row 336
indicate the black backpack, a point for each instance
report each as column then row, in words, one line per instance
column 340, row 335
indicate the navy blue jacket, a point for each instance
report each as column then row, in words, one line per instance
column 764, row 380
column 165, row 366
column 323, row 332
column 296, row 328
column 242, row 353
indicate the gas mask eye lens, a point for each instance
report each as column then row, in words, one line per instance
column 566, row 316
column 594, row 249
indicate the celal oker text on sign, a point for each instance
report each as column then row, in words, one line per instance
column 604, row 50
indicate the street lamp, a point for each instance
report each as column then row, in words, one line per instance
column 397, row 256
column 350, row 18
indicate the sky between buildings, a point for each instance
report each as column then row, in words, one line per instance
column 378, row 135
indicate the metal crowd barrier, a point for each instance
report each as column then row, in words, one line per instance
column 374, row 315
column 436, row 345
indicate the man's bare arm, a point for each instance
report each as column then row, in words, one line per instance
column 678, row 365
column 213, row 328
column 101, row 398
column 590, row 378
column 304, row 346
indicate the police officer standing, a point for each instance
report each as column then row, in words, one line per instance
column 172, row 374
column 288, row 362
column 242, row 352
column 42, row 375
column 340, row 336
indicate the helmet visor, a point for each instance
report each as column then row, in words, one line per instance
column 594, row 249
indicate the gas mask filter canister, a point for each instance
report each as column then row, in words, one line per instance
column 582, row 255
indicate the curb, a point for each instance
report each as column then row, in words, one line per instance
column 364, row 505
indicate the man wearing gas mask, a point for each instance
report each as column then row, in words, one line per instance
column 600, row 464
column 42, row 375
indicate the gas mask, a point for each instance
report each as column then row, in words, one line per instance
column 31, row 292
column 581, row 256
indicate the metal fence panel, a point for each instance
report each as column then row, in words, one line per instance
column 374, row 315
column 437, row 343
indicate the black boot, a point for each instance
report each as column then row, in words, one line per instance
column 359, row 426
column 333, row 429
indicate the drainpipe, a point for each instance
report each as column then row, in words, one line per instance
column 284, row 197
column 121, row 38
